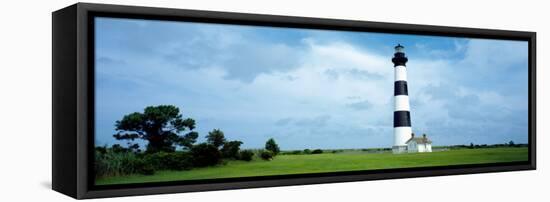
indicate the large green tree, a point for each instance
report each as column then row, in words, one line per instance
column 160, row 126
column 231, row 149
column 272, row 146
column 216, row 138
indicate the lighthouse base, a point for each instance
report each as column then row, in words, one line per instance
column 399, row 149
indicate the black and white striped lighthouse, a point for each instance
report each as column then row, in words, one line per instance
column 401, row 116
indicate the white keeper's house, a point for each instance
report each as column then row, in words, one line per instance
column 419, row 144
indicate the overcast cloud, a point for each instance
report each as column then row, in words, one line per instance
column 309, row 88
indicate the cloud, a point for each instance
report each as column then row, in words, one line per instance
column 362, row 105
column 318, row 121
column 306, row 91
column 283, row 122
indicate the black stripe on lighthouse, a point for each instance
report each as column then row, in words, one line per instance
column 401, row 118
column 400, row 88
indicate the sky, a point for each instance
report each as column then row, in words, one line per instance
column 309, row 88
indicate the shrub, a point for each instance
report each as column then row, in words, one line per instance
column 147, row 169
column 246, row 155
column 205, row 155
column 317, row 151
column 143, row 167
column 169, row 161
column 337, row 151
column 272, row 146
column 296, row 152
column 101, row 150
column 231, row 149
column 266, row 155
column 307, row 151
column 115, row 163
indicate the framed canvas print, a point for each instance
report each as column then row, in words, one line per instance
column 155, row 100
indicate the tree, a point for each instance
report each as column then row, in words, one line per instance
column 231, row 149
column 511, row 143
column 307, row 151
column 160, row 126
column 272, row 146
column 266, row 155
column 216, row 138
column 246, row 155
column 317, row 151
column 205, row 154
column 471, row 145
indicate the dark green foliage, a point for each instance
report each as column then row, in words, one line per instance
column 477, row 146
column 101, row 150
column 338, row 151
column 317, row 151
column 143, row 167
column 147, row 169
column 188, row 139
column 246, row 155
column 231, row 149
column 159, row 126
column 216, row 138
column 205, row 155
column 272, row 146
column 169, row 161
column 511, row 143
column 296, row 152
column 117, row 148
column 113, row 162
column 307, row 151
column 162, row 128
column 266, row 155
column 134, row 148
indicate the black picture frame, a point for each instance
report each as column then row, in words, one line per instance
column 73, row 98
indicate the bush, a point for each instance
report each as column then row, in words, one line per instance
column 266, row 155
column 169, row 161
column 246, row 155
column 294, row 152
column 205, row 155
column 337, row 151
column 317, row 151
column 272, row 146
column 111, row 162
column 231, row 149
column 307, row 151
column 145, row 168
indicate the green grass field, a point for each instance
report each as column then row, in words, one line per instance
column 328, row 162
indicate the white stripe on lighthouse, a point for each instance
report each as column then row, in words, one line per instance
column 400, row 73
column 401, row 135
column 402, row 103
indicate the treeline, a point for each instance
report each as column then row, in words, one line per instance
column 117, row 160
column 161, row 127
column 309, row 151
column 334, row 151
column 477, row 146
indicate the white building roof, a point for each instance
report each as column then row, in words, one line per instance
column 419, row 140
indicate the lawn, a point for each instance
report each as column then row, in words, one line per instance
column 328, row 162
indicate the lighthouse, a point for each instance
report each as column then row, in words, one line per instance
column 402, row 131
